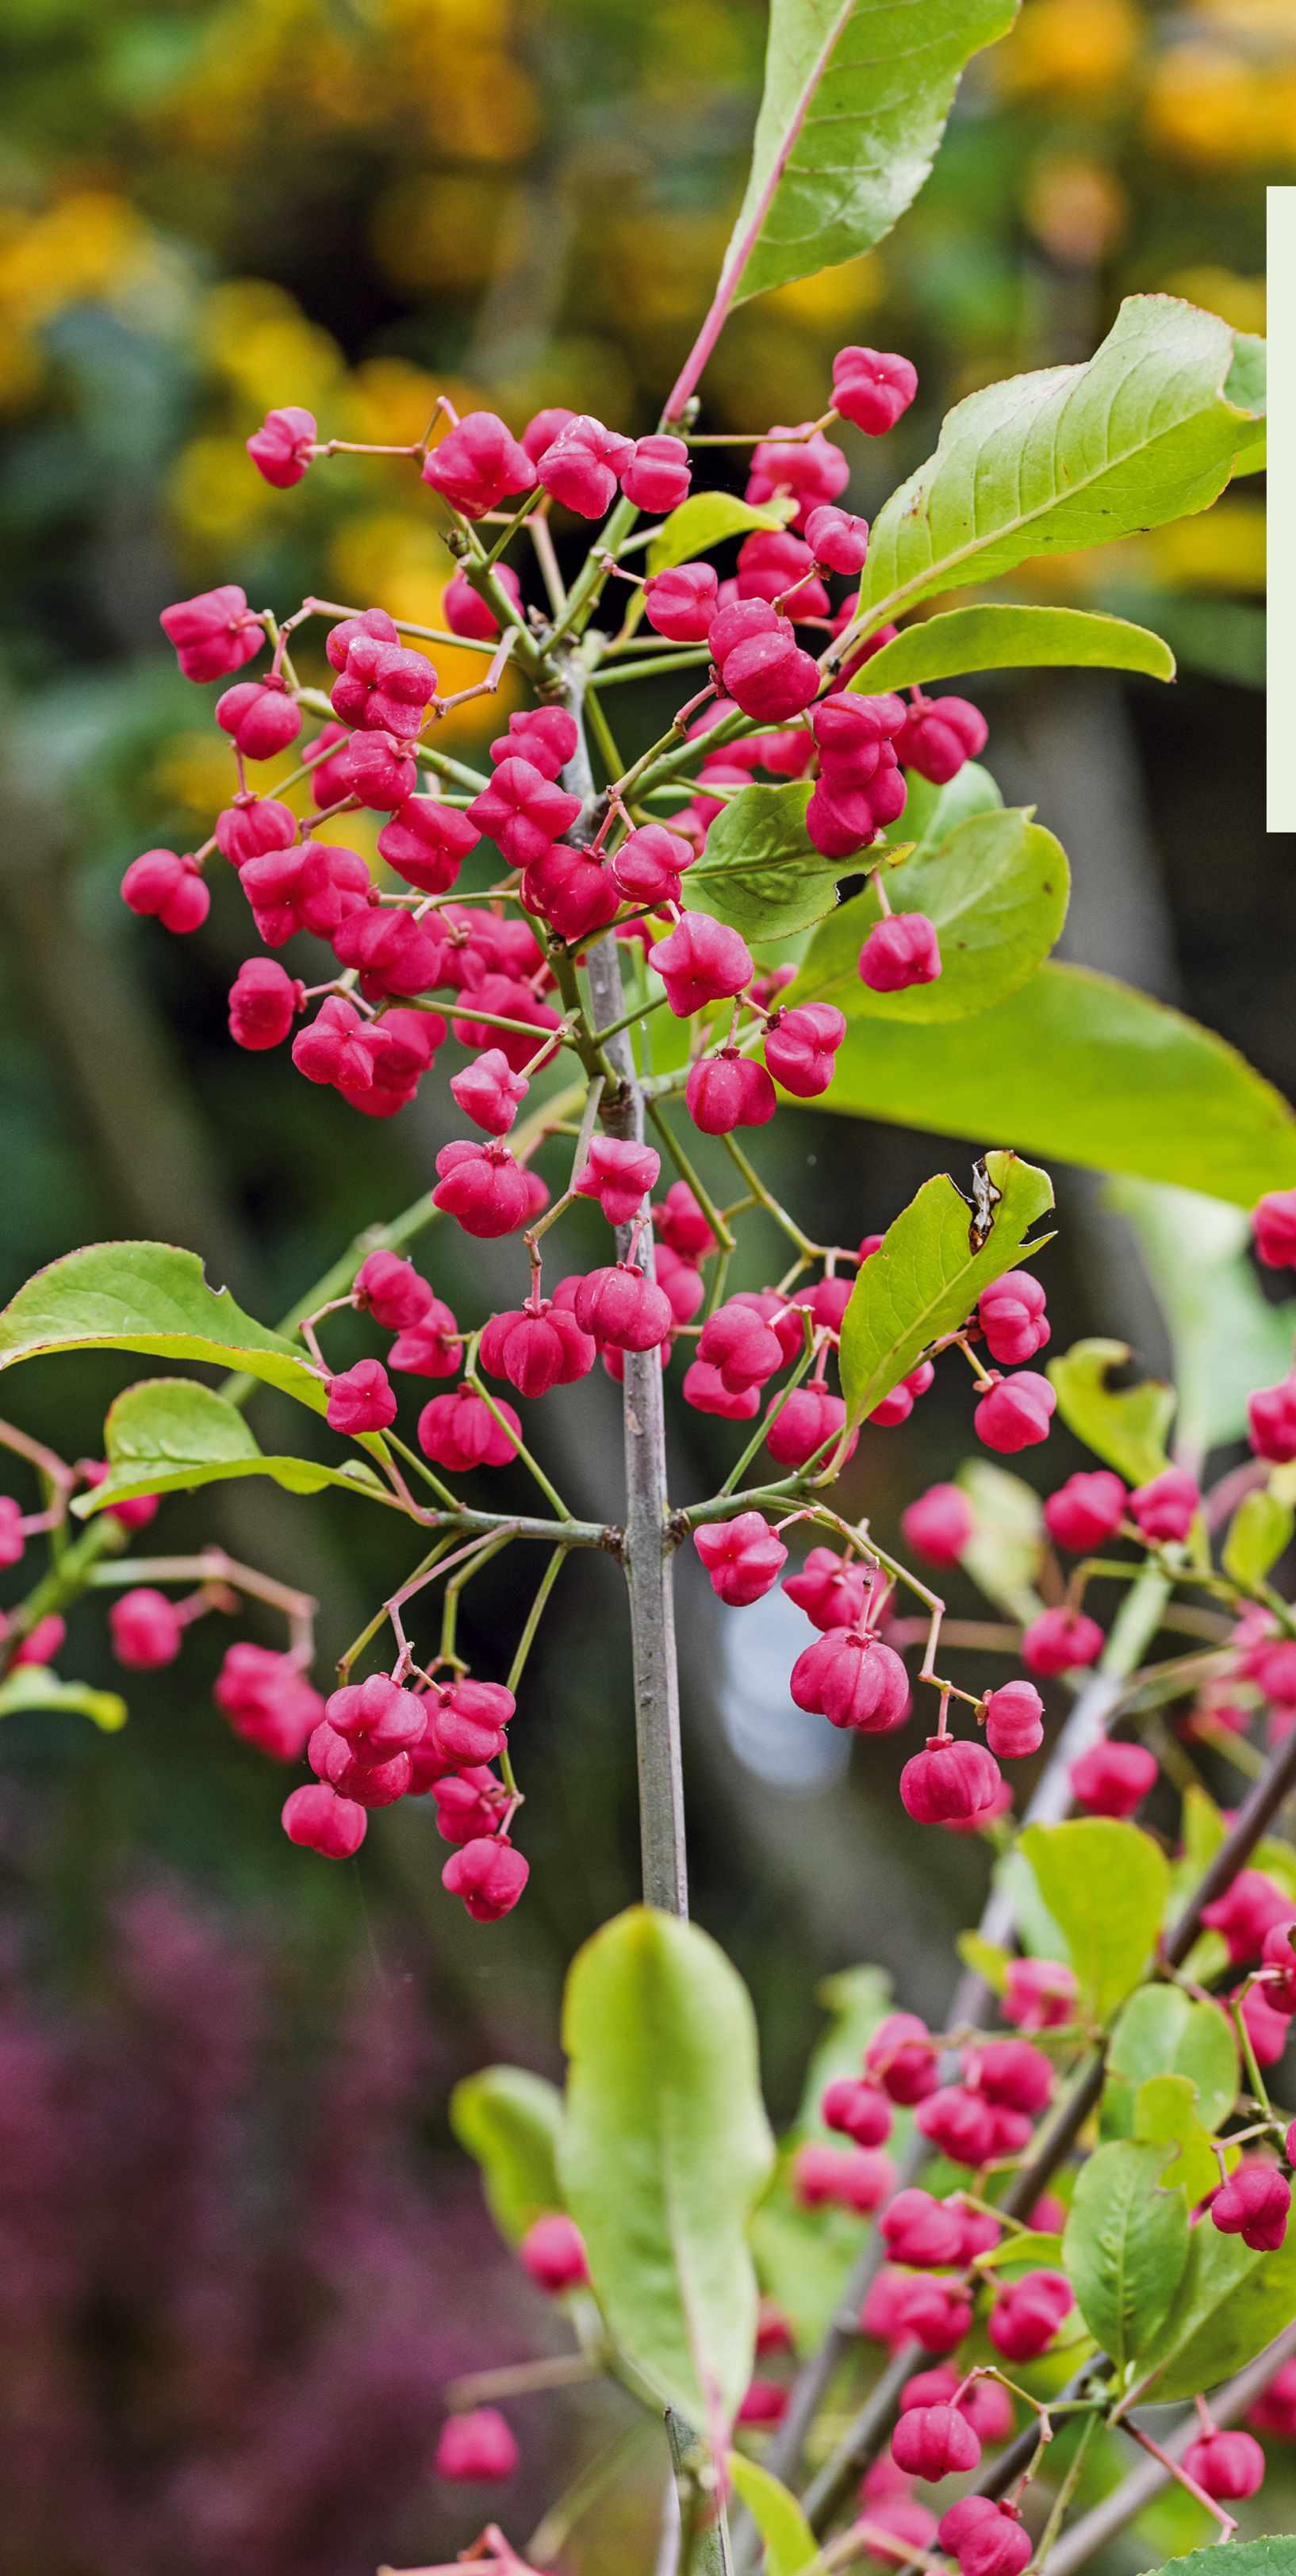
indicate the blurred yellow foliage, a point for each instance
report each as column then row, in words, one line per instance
column 1207, row 106
column 255, row 336
column 1077, row 207
column 79, row 248
column 216, row 494
column 1079, row 49
column 193, row 773
column 1220, row 549
column 1242, row 301
column 438, row 231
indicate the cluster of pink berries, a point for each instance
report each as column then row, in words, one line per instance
column 373, row 1037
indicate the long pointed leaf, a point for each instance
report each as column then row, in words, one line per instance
column 856, row 97
column 1069, row 457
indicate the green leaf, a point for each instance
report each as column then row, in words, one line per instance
column 1069, row 457
column 1235, row 2558
column 1127, row 1425
column 1125, row 2247
column 928, row 1272
column 170, row 1433
column 1001, row 636
column 707, row 519
column 931, row 813
column 1163, row 2032
column 1225, row 1336
column 996, row 890
column 1261, row 1527
column 1230, row 2303
column 1085, row 1069
column 1247, row 385
column 789, row 2541
column 1028, row 2249
column 850, row 122
column 148, row 1297
column 759, row 871
column 1006, row 1549
column 803, row 2256
column 1165, row 2114
column 987, row 1959
column 856, row 2000
column 1105, row 1885
column 34, row 1686
column 664, row 2148
column 509, row 2120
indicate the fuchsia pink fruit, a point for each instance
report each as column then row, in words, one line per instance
column 938, row 1524
column 1273, row 1223
column 900, row 951
column 489, row 1874
column 931, row 2442
column 478, row 464
column 1012, row 1318
column 282, row 448
column 462, row 1431
column 214, row 634
column 801, row 1048
column 146, row 1629
column 552, row 2253
column 985, row 2537
column 483, row 1187
column 872, row 387
column 1061, row 1641
column 1086, row 1510
column 1027, row 2314
column 361, row 1399
column 1014, row 1720
column 168, row 888
column 744, row 1559
column 1229, row 2465
column 700, row 961
column 1112, row 1779
column 1255, row 2204
column 318, row 1818
column 1015, row 1414
column 852, row 1679
column 536, row 1347
column 951, row 1779
column 476, row 2448
column 729, row 1090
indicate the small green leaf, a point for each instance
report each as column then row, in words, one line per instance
column 1247, row 385
column 1084, row 1069
column 850, row 121
column 987, row 1959
column 931, row 813
column 1234, row 2558
column 1226, row 1337
column 1002, row 636
column 1006, row 1549
column 707, row 519
column 1165, row 2114
column 1027, row 2249
column 1230, row 2303
column 803, row 2256
column 856, row 2000
column 508, row 2120
column 995, row 890
column 170, row 1433
column 1260, row 1529
column 789, row 2541
column 1125, row 2247
column 1162, row 2031
column 759, row 871
column 33, row 1686
column 148, row 1297
column 928, row 1272
column 1128, row 1426
column 665, row 2147
column 1142, row 433
column 1105, row 1885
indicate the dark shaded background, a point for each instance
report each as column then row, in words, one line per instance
column 238, row 2260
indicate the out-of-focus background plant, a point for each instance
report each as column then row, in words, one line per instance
column 244, row 2260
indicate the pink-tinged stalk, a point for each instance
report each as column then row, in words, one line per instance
column 736, row 262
